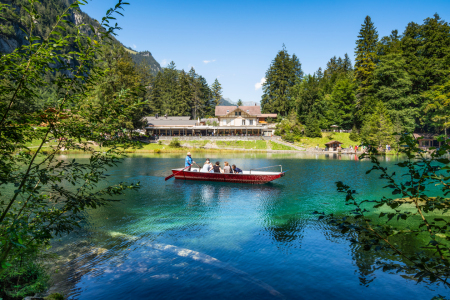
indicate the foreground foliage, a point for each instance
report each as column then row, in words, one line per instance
column 416, row 213
column 42, row 193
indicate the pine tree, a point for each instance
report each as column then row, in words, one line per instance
column 185, row 100
column 319, row 74
column 365, row 64
column 239, row 103
column 392, row 86
column 312, row 128
column 389, row 44
column 378, row 129
column 342, row 104
column 307, row 97
column 216, row 91
column 347, row 64
column 170, row 90
column 437, row 106
column 281, row 76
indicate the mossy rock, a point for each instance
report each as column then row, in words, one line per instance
column 55, row 296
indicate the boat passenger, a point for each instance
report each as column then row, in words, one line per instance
column 188, row 161
column 227, row 168
column 207, row 166
column 217, row 168
column 236, row 170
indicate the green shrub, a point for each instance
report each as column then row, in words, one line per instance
column 289, row 137
column 22, row 280
column 55, row 296
column 175, row 143
column 159, row 143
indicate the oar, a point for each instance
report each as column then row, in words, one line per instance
column 173, row 174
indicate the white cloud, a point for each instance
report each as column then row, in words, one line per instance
column 134, row 46
column 164, row 62
column 258, row 85
column 209, row 61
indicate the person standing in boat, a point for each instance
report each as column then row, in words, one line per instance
column 188, row 161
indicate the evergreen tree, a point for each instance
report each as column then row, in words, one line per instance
column 390, row 44
column 185, row 100
column 319, row 74
column 426, row 49
column 342, row 104
column 216, row 91
column 239, row 103
column 307, row 96
column 281, row 76
column 121, row 76
column 170, row 90
column 347, row 64
column 312, row 128
column 392, row 86
column 365, row 63
column 378, row 129
column 437, row 106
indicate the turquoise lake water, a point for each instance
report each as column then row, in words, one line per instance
column 205, row 240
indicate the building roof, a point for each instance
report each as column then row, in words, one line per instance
column 209, row 119
column 426, row 136
column 333, row 142
column 251, row 110
column 170, row 121
column 268, row 115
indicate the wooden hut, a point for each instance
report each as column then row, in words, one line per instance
column 333, row 145
column 426, row 140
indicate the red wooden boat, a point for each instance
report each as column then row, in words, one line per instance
column 252, row 176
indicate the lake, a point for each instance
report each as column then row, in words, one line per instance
column 201, row 240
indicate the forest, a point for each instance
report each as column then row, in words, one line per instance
column 158, row 90
column 398, row 83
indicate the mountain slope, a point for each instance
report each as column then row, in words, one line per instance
column 14, row 20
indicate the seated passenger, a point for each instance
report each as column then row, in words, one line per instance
column 217, row 168
column 236, row 170
column 227, row 168
column 207, row 166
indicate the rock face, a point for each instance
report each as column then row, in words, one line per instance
column 12, row 36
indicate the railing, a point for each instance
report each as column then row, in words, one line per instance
column 267, row 168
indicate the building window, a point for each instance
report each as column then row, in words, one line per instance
column 228, row 111
column 235, row 114
column 239, row 113
column 251, row 122
column 243, row 122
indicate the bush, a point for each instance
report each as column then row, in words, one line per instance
column 175, row 143
column 55, row 296
column 159, row 143
column 23, row 280
column 289, row 137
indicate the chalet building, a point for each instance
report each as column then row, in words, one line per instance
column 241, row 115
column 230, row 120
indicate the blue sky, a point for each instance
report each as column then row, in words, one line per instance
column 235, row 41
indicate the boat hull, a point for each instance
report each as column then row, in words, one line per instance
column 235, row 178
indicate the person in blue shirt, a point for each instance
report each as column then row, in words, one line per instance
column 188, row 162
column 236, row 170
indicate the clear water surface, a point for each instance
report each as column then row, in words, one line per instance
column 208, row 240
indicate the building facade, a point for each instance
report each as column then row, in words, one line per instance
column 229, row 121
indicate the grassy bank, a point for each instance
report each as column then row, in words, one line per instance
column 342, row 137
